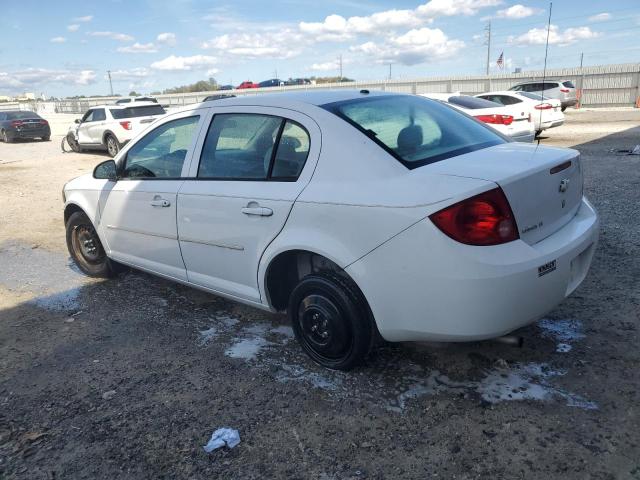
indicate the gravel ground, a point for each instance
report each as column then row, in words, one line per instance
column 128, row 378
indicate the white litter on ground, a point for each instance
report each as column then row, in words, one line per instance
column 563, row 348
column 283, row 330
column 222, row 437
column 296, row 373
column 247, row 348
column 562, row 331
column 207, row 335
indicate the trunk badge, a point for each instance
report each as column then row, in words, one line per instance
column 564, row 185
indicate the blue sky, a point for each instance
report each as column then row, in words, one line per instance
column 64, row 48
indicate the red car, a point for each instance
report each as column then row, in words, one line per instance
column 247, row 84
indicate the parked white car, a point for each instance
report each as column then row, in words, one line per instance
column 109, row 127
column 356, row 212
column 545, row 112
column 512, row 122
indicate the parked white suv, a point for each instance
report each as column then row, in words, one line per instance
column 109, row 127
column 356, row 212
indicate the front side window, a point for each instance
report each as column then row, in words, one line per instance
column 415, row 130
column 88, row 117
column 161, row 152
column 239, row 146
column 99, row 115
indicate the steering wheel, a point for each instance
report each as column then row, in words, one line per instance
column 138, row 171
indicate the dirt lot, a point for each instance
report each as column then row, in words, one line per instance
column 128, row 378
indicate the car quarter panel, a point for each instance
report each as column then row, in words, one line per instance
column 447, row 291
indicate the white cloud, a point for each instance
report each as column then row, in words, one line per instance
column 601, row 17
column 139, row 48
column 58, row 40
column 414, row 47
column 281, row 43
column 167, row 38
column 42, row 78
column 538, row 36
column 73, row 28
column 326, row 66
column 517, row 11
column 135, row 74
column 336, row 27
column 195, row 62
column 84, row 19
column 212, row 71
column 122, row 37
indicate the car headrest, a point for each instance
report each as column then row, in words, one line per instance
column 409, row 139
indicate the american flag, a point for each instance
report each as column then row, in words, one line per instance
column 500, row 61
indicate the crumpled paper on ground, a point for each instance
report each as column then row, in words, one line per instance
column 222, row 437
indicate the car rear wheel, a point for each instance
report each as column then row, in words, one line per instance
column 113, row 146
column 5, row 137
column 562, row 109
column 331, row 320
column 85, row 247
column 46, row 138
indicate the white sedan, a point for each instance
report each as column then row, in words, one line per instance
column 511, row 121
column 359, row 213
column 545, row 112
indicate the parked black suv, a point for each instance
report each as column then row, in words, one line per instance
column 16, row 124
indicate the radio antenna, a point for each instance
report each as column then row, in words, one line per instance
column 546, row 53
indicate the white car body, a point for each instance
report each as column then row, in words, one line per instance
column 545, row 112
column 356, row 207
column 92, row 133
column 519, row 129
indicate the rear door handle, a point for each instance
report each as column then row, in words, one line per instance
column 160, row 202
column 260, row 211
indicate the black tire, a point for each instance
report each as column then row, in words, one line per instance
column 113, row 146
column 75, row 146
column 46, row 138
column 85, row 247
column 331, row 320
column 562, row 109
column 538, row 132
column 5, row 137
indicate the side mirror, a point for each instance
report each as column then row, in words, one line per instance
column 77, row 120
column 106, row 171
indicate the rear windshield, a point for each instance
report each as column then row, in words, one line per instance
column 473, row 102
column 415, row 130
column 21, row 115
column 532, row 96
column 131, row 112
column 568, row 84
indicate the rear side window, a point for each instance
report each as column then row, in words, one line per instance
column 568, row 84
column 549, row 86
column 532, row 96
column 144, row 111
column 292, row 152
column 239, row 146
column 161, row 152
column 472, row 103
column 415, row 130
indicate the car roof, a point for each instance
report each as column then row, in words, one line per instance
column 540, row 80
column 500, row 92
column 114, row 106
column 315, row 97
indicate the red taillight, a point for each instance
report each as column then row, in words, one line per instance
column 496, row 119
column 43, row 122
column 485, row 219
column 126, row 125
column 16, row 123
column 543, row 106
column 564, row 90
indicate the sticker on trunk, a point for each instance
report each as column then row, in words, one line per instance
column 546, row 268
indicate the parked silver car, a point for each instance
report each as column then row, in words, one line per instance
column 563, row 90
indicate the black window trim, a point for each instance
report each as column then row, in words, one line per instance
column 121, row 166
column 276, row 143
column 333, row 108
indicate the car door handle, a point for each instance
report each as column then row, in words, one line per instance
column 260, row 211
column 160, row 202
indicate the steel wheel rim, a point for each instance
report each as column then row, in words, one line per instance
column 86, row 244
column 323, row 327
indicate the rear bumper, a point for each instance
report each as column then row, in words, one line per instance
column 30, row 133
column 552, row 124
column 569, row 102
column 424, row 286
column 526, row 137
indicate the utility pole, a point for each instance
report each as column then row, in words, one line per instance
column 110, row 84
column 340, row 64
column 390, row 71
column 581, row 58
column 488, row 36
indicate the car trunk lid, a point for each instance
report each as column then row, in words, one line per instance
column 543, row 184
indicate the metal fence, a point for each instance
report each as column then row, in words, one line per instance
column 600, row 86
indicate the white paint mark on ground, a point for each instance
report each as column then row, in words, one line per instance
column 283, row 330
column 562, row 331
column 207, row 335
column 247, row 348
column 297, row 373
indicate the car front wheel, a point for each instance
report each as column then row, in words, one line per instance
column 85, row 247
column 331, row 320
